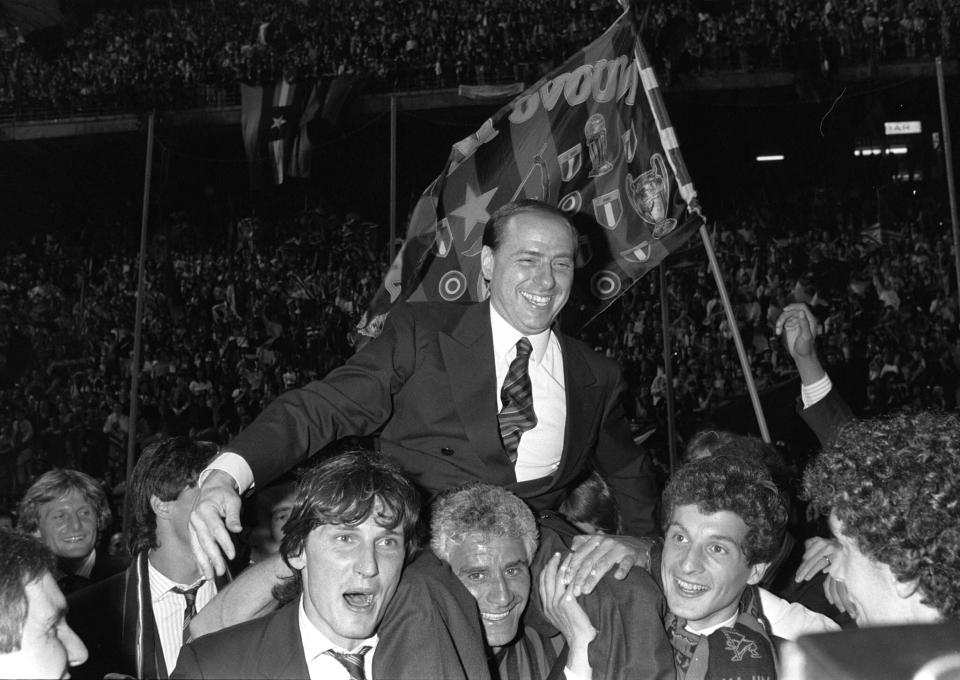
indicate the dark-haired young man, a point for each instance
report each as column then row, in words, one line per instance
column 135, row 622
column 891, row 486
column 350, row 532
column 723, row 523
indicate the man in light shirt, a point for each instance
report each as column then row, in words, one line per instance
column 134, row 622
column 350, row 532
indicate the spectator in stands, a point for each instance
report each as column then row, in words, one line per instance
column 135, row 622
column 35, row 640
column 67, row 510
column 891, row 487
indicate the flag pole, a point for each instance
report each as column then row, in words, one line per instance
column 948, row 159
column 668, row 366
column 138, row 319
column 735, row 331
column 393, row 175
column 669, row 140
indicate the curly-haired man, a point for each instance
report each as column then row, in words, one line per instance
column 892, row 488
column 723, row 523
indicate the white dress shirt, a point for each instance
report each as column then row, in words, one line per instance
column 168, row 609
column 540, row 449
column 322, row 666
column 538, row 454
column 788, row 620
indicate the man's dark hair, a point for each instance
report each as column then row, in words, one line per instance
column 592, row 501
column 23, row 560
column 493, row 230
column 164, row 470
column 346, row 489
column 894, row 485
column 736, row 484
column 54, row 485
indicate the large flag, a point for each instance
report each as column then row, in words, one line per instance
column 278, row 123
column 593, row 138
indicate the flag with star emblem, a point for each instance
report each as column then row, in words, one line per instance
column 594, row 139
column 275, row 122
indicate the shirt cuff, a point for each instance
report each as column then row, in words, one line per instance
column 814, row 392
column 233, row 465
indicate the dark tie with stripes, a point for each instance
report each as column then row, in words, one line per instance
column 190, row 594
column 516, row 395
column 352, row 662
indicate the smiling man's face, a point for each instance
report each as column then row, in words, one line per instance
column 68, row 526
column 531, row 271
column 704, row 568
column 496, row 571
column 350, row 573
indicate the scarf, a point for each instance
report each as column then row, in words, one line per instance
column 742, row 651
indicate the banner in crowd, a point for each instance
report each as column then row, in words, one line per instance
column 280, row 123
column 593, row 138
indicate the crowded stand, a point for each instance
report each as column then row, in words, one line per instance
column 194, row 53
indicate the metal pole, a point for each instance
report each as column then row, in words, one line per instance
column 737, row 340
column 393, row 175
column 138, row 318
column 668, row 366
column 948, row 159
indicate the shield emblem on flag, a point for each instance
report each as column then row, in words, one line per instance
column 608, row 209
column 629, row 139
column 570, row 162
column 638, row 254
column 443, row 241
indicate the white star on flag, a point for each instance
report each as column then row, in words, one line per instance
column 278, row 122
column 474, row 209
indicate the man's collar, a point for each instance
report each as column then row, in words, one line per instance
column 316, row 643
column 506, row 336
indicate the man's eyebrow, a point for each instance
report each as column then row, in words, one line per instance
column 473, row 567
column 522, row 562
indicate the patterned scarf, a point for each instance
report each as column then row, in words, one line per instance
column 742, row 651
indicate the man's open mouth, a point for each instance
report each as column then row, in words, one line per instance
column 359, row 600
column 688, row 588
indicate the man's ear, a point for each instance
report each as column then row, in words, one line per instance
column 757, row 572
column 486, row 262
column 297, row 561
column 159, row 507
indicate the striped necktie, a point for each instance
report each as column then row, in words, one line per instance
column 517, row 415
column 190, row 594
column 352, row 662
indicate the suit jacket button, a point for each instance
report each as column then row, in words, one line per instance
column 446, row 451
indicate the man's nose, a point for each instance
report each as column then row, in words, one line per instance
column 367, row 562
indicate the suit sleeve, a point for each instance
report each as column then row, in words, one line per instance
column 355, row 399
column 827, row 416
column 627, row 467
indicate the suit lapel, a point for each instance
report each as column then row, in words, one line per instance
column 468, row 357
column 583, row 401
column 283, row 655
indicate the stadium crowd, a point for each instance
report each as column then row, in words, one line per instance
column 195, row 53
column 593, row 577
column 226, row 332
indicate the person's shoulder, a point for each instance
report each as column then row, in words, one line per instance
column 431, row 316
column 247, row 635
column 577, row 347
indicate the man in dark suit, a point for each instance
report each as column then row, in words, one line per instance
column 350, row 532
column 133, row 623
column 431, row 386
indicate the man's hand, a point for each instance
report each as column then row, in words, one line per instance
column 561, row 608
column 595, row 554
column 818, row 555
column 798, row 327
column 216, row 509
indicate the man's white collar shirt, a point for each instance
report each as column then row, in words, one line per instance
column 322, row 666
column 540, row 448
column 168, row 609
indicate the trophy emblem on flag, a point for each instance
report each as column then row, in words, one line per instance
column 649, row 195
column 596, row 133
